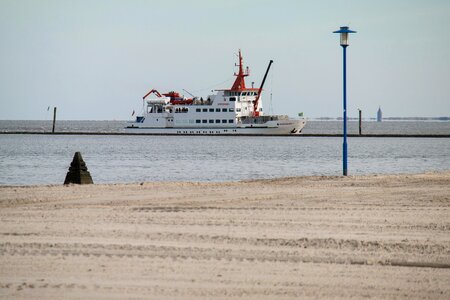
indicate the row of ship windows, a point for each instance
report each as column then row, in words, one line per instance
column 185, row 110
column 241, row 94
column 214, row 121
column 204, row 131
column 223, row 109
column 216, row 109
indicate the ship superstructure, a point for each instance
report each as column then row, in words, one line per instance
column 237, row 110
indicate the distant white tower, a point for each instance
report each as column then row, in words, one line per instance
column 379, row 114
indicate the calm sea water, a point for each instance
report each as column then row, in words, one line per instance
column 44, row 159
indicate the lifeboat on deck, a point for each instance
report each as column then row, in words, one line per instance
column 176, row 99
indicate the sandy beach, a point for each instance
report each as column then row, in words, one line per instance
column 385, row 236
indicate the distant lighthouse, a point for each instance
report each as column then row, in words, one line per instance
column 379, row 115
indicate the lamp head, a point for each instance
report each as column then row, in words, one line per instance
column 344, row 31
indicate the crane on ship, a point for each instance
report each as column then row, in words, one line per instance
column 189, row 93
column 255, row 102
column 151, row 92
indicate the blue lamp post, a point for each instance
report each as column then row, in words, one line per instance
column 344, row 31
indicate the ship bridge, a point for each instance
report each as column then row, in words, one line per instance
column 246, row 99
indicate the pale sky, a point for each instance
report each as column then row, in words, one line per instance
column 95, row 59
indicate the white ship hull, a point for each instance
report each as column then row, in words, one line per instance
column 285, row 127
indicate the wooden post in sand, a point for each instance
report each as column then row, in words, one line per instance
column 54, row 119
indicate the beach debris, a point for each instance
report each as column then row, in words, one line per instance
column 78, row 172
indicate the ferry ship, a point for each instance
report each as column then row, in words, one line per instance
column 234, row 111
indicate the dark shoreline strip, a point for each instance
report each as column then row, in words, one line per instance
column 287, row 135
column 418, row 264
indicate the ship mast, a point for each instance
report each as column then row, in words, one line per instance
column 239, row 83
